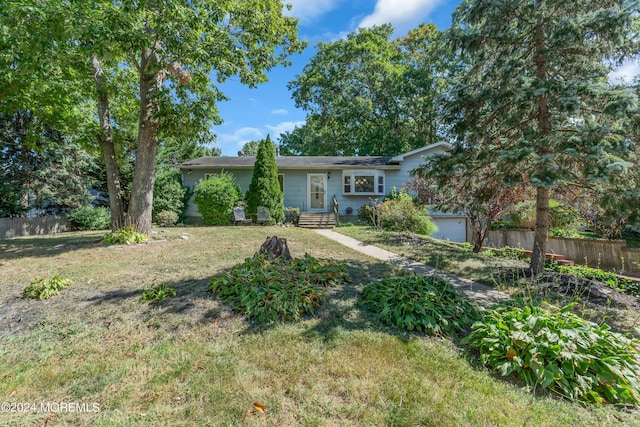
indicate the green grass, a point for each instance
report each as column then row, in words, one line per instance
column 190, row 360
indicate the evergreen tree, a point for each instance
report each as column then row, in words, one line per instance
column 265, row 187
column 533, row 94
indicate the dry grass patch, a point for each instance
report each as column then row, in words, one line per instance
column 191, row 361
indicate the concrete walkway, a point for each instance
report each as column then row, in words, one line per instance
column 483, row 295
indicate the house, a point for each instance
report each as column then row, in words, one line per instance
column 312, row 183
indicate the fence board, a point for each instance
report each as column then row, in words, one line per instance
column 17, row 227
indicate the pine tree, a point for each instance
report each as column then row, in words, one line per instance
column 533, row 94
column 265, row 187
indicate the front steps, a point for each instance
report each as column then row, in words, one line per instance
column 317, row 220
column 560, row 259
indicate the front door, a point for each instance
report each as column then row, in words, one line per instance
column 317, row 196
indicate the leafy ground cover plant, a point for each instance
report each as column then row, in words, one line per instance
column 428, row 304
column 280, row 289
column 158, row 293
column 560, row 352
column 124, row 236
column 610, row 279
column 46, row 288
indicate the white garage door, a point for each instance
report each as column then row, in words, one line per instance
column 453, row 229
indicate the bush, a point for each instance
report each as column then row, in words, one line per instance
column 46, row 288
column 402, row 214
column 291, row 214
column 124, row 236
column 368, row 214
column 560, row 352
column 216, row 197
column 264, row 189
column 158, row 293
column 165, row 218
column 280, row 289
column 427, row 304
column 169, row 194
column 89, row 218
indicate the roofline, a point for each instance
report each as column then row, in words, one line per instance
column 314, row 167
column 400, row 157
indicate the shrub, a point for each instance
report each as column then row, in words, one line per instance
column 560, row 352
column 264, row 189
column 291, row 214
column 610, row 279
column 124, row 236
column 401, row 214
column 46, row 288
column 89, row 218
column 167, row 218
column 169, row 194
column 158, row 293
column 280, row 289
column 216, row 197
column 368, row 213
column 427, row 304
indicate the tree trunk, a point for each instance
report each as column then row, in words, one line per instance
column 105, row 139
column 542, row 230
column 275, row 247
column 141, row 205
column 544, row 130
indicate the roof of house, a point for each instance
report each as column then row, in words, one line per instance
column 290, row 162
column 310, row 162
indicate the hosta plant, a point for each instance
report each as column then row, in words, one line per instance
column 46, row 288
column 610, row 279
column 158, row 293
column 428, row 304
column 560, row 352
column 124, row 236
column 280, row 289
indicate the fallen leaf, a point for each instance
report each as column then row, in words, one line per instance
column 511, row 353
column 201, row 368
column 13, row 392
column 259, row 406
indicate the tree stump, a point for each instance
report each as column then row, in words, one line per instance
column 275, row 247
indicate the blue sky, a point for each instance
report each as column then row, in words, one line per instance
column 251, row 114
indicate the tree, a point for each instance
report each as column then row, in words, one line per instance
column 481, row 197
column 264, row 189
column 250, row 148
column 164, row 55
column 533, row 93
column 369, row 94
column 39, row 168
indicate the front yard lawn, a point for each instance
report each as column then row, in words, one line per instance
column 191, row 360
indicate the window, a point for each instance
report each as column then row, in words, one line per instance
column 363, row 182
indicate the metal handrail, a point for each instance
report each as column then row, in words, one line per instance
column 336, row 209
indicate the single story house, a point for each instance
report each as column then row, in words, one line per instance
column 311, row 183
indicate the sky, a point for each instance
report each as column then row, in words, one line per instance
column 252, row 114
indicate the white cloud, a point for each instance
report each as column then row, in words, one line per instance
column 229, row 142
column 283, row 127
column 280, row 112
column 625, row 73
column 308, row 10
column 399, row 13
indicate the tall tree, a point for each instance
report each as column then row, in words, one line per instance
column 39, row 167
column 534, row 92
column 369, row 94
column 166, row 55
column 264, row 189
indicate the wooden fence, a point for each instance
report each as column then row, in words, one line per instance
column 16, row 227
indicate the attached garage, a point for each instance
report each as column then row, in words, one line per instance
column 452, row 228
